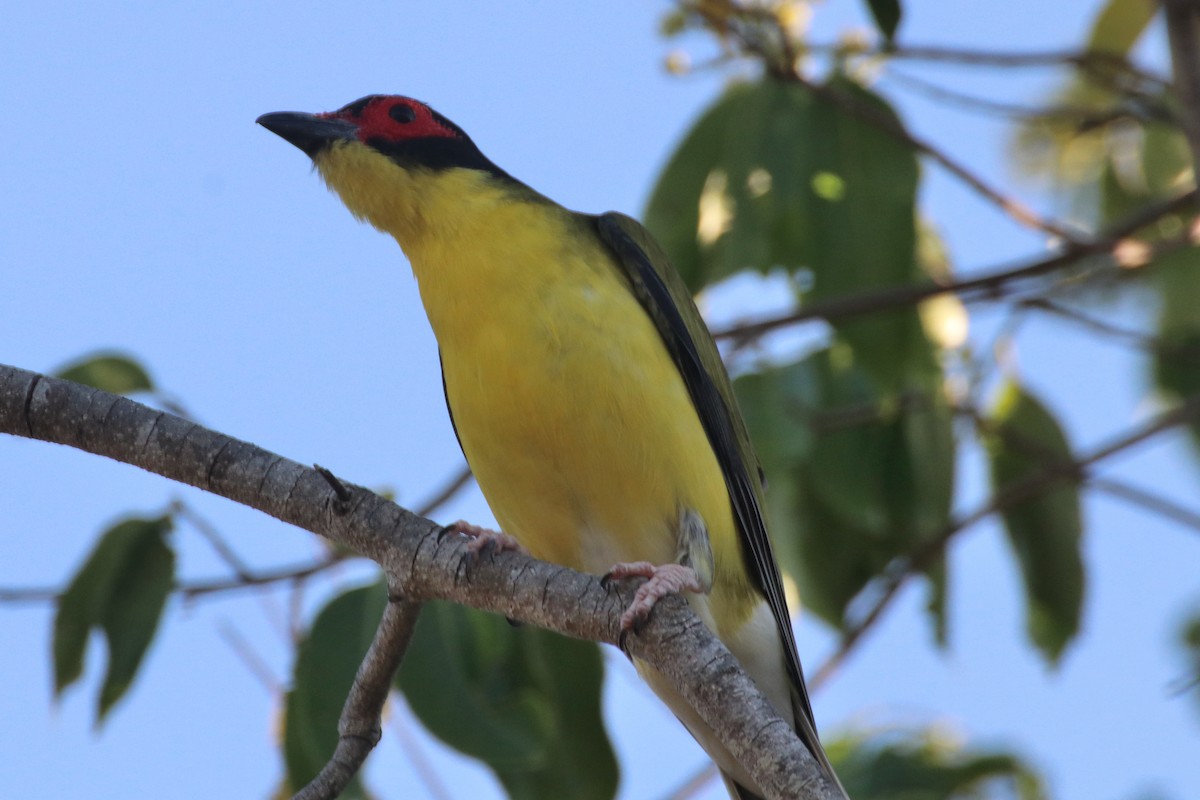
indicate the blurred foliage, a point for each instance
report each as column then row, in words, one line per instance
column 856, row 438
column 1122, row 151
column 524, row 701
column 1026, row 444
column 929, row 765
column 841, row 458
column 112, row 372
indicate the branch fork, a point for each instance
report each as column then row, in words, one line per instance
column 419, row 567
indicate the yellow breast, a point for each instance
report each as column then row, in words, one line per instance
column 575, row 420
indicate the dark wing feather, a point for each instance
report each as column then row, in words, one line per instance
column 667, row 300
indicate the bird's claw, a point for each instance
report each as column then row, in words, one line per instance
column 661, row 581
column 482, row 538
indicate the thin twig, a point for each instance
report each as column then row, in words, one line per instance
column 249, row 657
column 245, row 578
column 989, row 285
column 1014, row 208
column 13, row 595
column 853, row 636
column 1085, row 60
column 442, row 496
column 359, row 726
column 259, row 579
column 1142, row 341
column 1023, row 489
column 210, row 533
column 411, row 746
column 227, row 554
column 1085, row 117
column 1148, row 501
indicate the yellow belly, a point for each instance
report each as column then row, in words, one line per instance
column 579, row 429
column 569, row 408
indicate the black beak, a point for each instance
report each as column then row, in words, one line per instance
column 310, row 133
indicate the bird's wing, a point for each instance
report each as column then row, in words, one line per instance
column 667, row 300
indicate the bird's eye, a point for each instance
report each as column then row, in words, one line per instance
column 402, row 113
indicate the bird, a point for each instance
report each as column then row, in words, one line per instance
column 587, row 394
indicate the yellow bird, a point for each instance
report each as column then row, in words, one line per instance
column 587, row 394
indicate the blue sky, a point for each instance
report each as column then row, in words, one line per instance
column 145, row 211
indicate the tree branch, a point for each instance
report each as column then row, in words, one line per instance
column 420, row 563
column 359, row 727
column 214, row 538
column 1083, row 117
column 1149, row 501
column 987, row 285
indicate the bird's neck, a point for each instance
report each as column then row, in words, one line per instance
column 475, row 243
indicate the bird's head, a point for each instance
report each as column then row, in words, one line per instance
column 389, row 158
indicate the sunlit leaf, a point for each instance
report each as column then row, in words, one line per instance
column 775, row 176
column 712, row 218
column 1110, row 141
column 1120, row 24
column 928, row 765
column 111, row 372
column 524, row 701
column 944, row 317
column 121, row 590
column 1044, row 529
column 326, row 662
column 868, row 240
column 759, row 176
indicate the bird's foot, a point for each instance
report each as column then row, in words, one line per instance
column 483, row 538
column 661, row 581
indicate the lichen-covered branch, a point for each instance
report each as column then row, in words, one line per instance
column 419, row 562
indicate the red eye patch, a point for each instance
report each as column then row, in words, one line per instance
column 395, row 119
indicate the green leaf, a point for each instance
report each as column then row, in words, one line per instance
column 121, row 589
column 132, row 614
column 702, row 201
column 1045, row 530
column 855, row 478
column 1120, row 24
column 526, row 702
column 772, row 176
column 887, row 16
column 757, row 178
column 1142, row 165
column 326, row 663
column 108, row 371
column 928, row 765
column 1176, row 359
column 868, row 239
